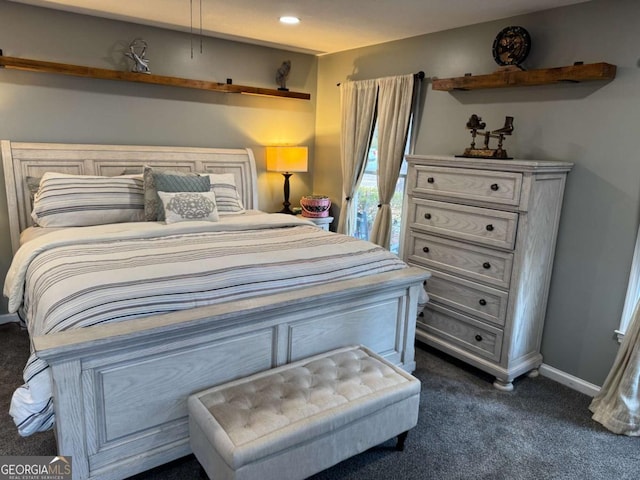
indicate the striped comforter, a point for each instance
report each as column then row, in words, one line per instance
column 78, row 277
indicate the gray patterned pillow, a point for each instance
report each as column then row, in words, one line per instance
column 33, row 183
column 189, row 206
column 152, row 205
column 165, row 182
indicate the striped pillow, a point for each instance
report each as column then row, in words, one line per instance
column 65, row 200
column 227, row 196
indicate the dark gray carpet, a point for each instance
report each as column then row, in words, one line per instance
column 466, row 430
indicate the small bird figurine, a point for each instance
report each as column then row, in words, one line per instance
column 282, row 74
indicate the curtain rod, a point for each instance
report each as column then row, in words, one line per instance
column 419, row 76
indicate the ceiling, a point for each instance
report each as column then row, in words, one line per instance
column 327, row 26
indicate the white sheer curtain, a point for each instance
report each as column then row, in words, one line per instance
column 617, row 405
column 633, row 289
column 394, row 112
column 358, row 104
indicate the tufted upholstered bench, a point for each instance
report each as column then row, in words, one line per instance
column 298, row 419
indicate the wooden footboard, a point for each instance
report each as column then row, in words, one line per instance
column 120, row 390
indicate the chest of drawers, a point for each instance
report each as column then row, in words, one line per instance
column 486, row 230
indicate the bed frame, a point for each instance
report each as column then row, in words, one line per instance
column 120, row 389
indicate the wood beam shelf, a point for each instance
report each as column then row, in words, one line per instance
column 102, row 73
column 524, row 78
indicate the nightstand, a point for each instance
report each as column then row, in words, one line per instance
column 321, row 222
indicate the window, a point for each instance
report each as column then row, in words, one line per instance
column 367, row 198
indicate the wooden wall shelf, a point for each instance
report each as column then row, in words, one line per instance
column 91, row 72
column 523, row 78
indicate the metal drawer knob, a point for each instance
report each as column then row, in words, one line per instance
column 495, row 187
column 425, row 249
column 478, row 338
column 486, row 265
column 428, row 216
column 431, row 180
column 482, row 302
column 489, row 228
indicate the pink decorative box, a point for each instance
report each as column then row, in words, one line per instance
column 315, row 206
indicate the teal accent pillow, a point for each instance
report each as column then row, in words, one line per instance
column 167, row 182
column 151, row 199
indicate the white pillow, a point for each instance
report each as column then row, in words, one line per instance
column 227, row 196
column 66, row 200
column 189, row 206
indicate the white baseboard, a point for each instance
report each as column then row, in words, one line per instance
column 8, row 318
column 570, row 381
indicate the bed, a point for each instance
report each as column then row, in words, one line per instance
column 119, row 386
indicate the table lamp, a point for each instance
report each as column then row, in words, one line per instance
column 286, row 159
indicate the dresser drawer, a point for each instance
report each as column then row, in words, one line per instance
column 483, row 302
column 481, row 185
column 464, row 259
column 482, row 225
column 458, row 329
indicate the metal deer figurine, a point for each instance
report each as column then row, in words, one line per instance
column 137, row 52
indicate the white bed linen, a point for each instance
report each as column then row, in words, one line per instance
column 151, row 268
column 35, row 232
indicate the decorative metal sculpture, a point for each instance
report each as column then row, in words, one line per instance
column 282, row 74
column 475, row 124
column 137, row 52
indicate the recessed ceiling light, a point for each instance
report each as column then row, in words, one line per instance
column 290, row 20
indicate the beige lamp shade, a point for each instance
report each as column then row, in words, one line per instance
column 286, row 159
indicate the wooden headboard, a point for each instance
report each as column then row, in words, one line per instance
column 22, row 160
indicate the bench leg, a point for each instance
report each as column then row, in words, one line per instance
column 401, row 439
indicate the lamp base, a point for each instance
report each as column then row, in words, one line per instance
column 286, row 202
column 287, row 210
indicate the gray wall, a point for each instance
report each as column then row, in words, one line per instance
column 54, row 108
column 594, row 125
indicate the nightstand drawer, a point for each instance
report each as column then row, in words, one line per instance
column 481, row 225
column 483, row 302
column 464, row 259
column 481, row 185
column 463, row 331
